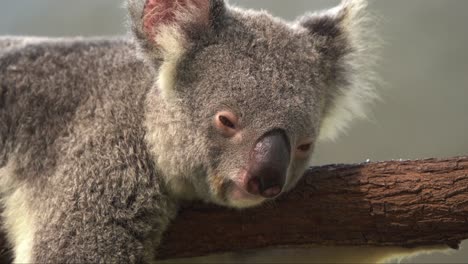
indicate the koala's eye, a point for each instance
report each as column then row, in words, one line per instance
column 226, row 123
column 303, row 150
column 304, row 147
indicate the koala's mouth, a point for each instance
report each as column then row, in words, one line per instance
column 238, row 193
column 228, row 192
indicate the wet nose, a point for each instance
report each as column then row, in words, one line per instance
column 269, row 162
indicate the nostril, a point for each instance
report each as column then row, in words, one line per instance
column 264, row 187
column 271, row 192
column 253, row 186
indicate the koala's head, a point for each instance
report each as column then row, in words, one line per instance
column 240, row 98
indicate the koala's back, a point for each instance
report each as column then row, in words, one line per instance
column 53, row 92
column 73, row 159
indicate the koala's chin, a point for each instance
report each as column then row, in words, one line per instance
column 231, row 193
column 216, row 189
column 239, row 198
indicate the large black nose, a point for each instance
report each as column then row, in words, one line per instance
column 269, row 162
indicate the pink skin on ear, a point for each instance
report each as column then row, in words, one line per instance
column 163, row 12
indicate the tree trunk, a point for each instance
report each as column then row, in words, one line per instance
column 394, row 203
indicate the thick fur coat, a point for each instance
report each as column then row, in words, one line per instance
column 100, row 139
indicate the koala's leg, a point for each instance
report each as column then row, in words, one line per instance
column 85, row 236
column 81, row 242
column 87, row 219
column 66, row 237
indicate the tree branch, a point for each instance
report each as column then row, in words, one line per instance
column 394, row 203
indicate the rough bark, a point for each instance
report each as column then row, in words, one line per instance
column 393, row 203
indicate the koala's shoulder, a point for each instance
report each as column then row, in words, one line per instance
column 44, row 76
column 53, row 87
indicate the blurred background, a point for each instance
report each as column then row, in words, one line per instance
column 424, row 107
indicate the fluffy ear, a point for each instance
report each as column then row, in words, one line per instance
column 166, row 29
column 345, row 43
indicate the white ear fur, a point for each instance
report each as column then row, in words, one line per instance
column 172, row 42
column 159, row 26
column 351, row 100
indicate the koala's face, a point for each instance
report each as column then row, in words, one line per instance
column 240, row 96
column 256, row 104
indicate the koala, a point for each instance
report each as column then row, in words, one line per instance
column 101, row 140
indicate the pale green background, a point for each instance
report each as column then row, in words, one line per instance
column 424, row 64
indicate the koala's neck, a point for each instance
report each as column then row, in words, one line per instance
column 169, row 138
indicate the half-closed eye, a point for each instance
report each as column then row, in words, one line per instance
column 227, row 123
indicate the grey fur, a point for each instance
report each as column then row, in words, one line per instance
column 105, row 159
